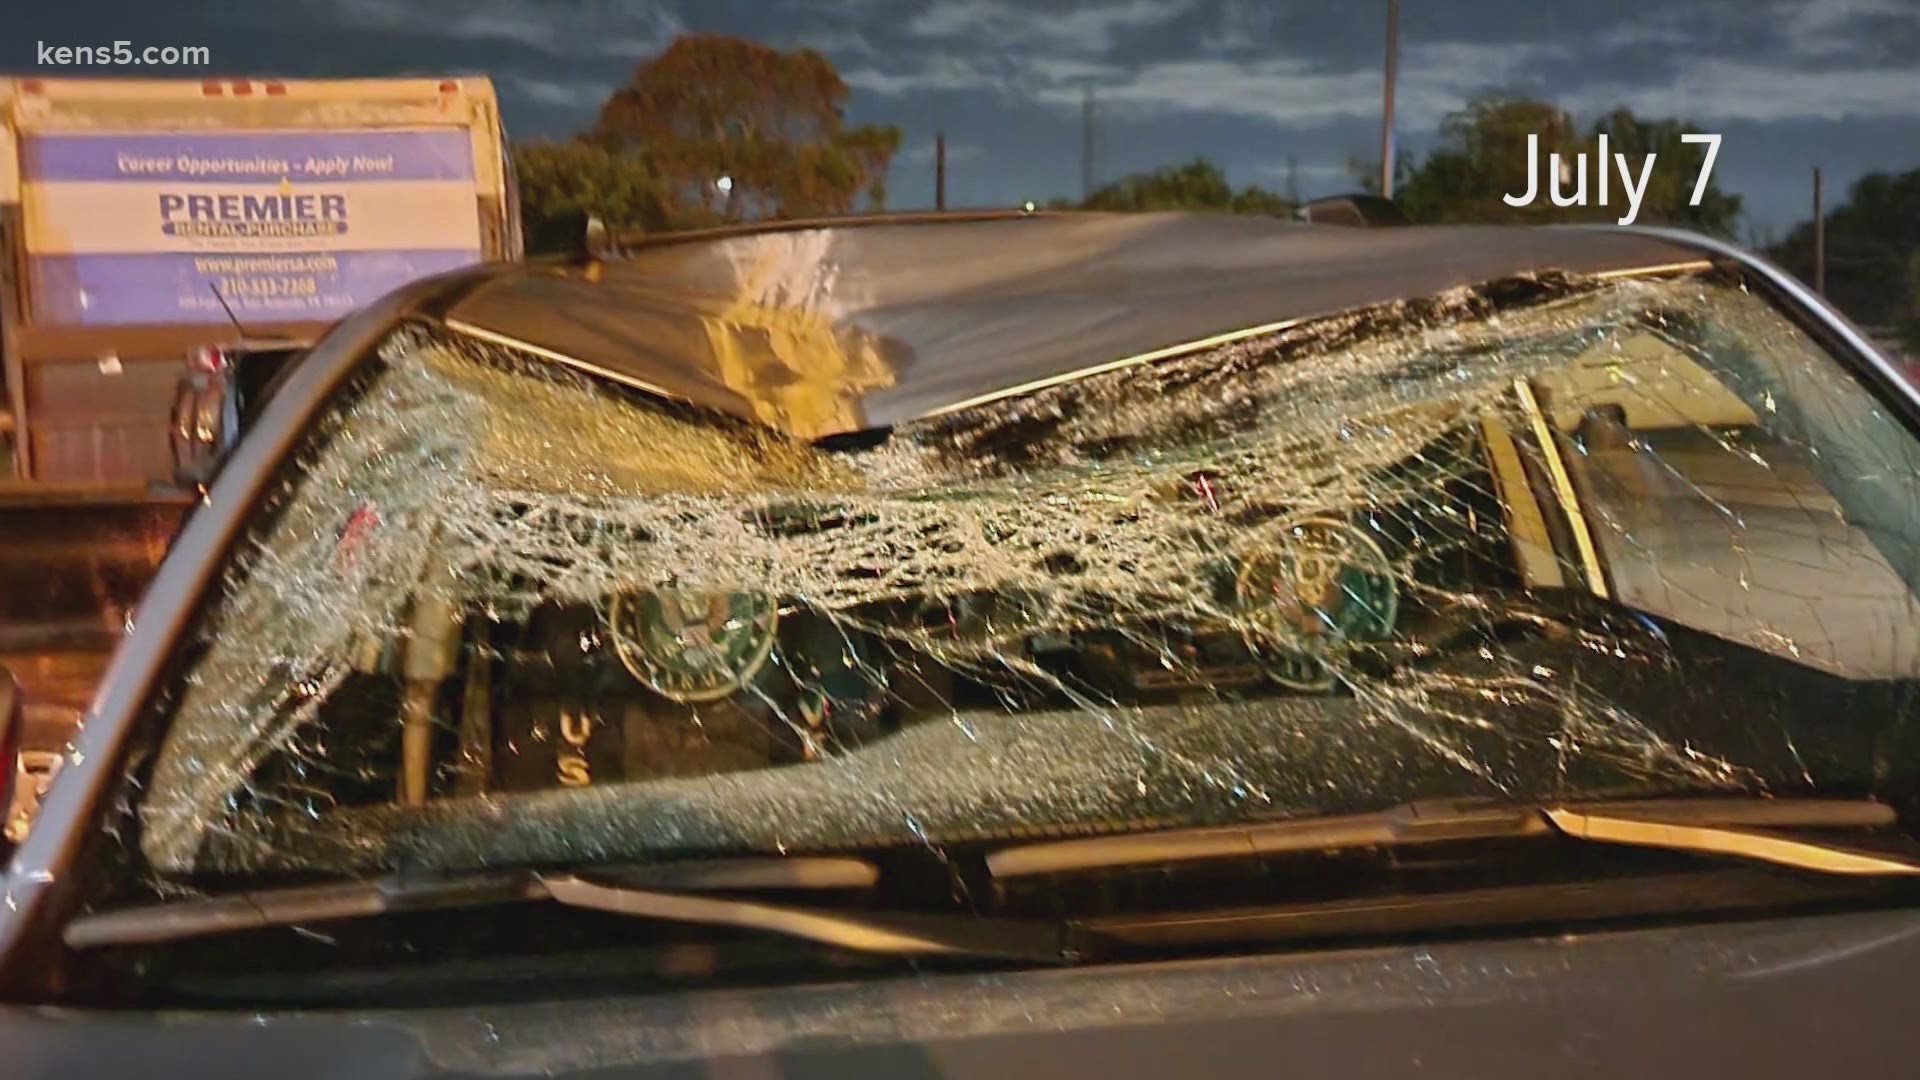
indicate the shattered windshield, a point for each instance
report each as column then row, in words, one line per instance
column 1562, row 539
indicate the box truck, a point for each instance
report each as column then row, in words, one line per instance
column 162, row 244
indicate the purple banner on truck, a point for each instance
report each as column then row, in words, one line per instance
column 259, row 157
column 276, row 225
column 163, row 288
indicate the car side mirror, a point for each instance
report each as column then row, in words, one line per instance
column 203, row 424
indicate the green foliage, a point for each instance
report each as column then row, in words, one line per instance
column 562, row 182
column 1254, row 199
column 1873, row 253
column 770, row 121
column 1197, row 185
column 1909, row 324
column 1670, row 185
column 1483, row 156
column 707, row 107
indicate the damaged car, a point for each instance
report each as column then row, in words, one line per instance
column 802, row 641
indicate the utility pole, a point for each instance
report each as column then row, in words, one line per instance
column 1819, row 239
column 1386, row 105
column 940, row 171
column 1086, row 146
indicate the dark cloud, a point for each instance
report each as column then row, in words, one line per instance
column 1255, row 84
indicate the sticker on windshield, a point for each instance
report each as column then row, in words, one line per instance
column 693, row 646
column 1322, row 584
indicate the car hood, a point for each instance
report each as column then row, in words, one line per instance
column 1733, row 998
column 826, row 330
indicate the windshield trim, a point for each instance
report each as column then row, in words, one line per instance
column 177, row 596
column 423, row 839
column 178, row 592
column 1801, row 304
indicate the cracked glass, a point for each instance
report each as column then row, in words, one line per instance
column 1548, row 539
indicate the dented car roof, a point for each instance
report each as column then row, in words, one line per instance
column 826, row 330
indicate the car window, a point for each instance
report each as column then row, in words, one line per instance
column 1626, row 537
column 1713, row 516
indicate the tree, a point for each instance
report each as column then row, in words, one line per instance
column 1909, row 324
column 1254, row 199
column 1483, row 156
column 1196, row 185
column 1873, row 253
column 562, row 182
column 771, row 122
column 1669, row 193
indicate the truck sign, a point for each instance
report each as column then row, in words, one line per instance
column 136, row 214
column 143, row 228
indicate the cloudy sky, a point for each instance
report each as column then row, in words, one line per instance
column 1262, row 86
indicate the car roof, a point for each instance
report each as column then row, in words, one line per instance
column 837, row 326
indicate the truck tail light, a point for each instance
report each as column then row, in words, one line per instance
column 205, row 419
column 208, row 359
column 13, row 723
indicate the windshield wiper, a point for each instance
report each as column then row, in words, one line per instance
column 1741, row 830
column 892, row 933
column 679, row 892
column 686, row 892
column 230, row 913
column 1741, row 827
